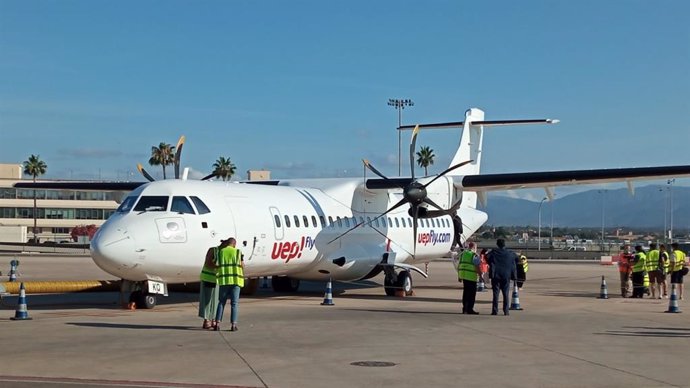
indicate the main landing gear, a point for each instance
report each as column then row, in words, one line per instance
column 284, row 284
column 401, row 281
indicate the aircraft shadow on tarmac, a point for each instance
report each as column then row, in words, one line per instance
column 664, row 332
column 103, row 325
column 571, row 294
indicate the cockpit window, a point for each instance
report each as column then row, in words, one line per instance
column 181, row 205
column 200, row 205
column 152, row 203
column 127, row 204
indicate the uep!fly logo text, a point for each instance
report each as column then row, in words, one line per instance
column 288, row 250
column 433, row 238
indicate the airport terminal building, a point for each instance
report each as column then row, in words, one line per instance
column 58, row 211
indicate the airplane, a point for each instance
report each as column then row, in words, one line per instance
column 341, row 229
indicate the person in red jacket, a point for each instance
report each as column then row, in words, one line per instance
column 625, row 259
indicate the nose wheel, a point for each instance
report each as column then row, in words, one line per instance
column 137, row 295
column 393, row 282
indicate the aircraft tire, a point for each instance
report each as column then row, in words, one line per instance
column 405, row 282
column 147, row 301
column 250, row 286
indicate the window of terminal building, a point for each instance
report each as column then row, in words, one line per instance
column 90, row 195
column 8, row 212
column 201, row 207
column 86, row 214
column 28, row 212
column 107, row 214
column 66, row 214
column 29, row 194
column 181, row 205
column 60, row 194
column 8, row 193
column 60, row 230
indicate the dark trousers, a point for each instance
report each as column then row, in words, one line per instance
column 502, row 285
column 469, row 295
column 521, row 275
column 638, row 284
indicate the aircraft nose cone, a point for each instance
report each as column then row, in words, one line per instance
column 113, row 251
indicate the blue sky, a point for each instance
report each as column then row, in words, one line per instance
column 300, row 87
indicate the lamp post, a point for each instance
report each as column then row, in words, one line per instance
column 399, row 105
column 670, row 190
column 551, row 236
column 539, row 232
column 603, row 212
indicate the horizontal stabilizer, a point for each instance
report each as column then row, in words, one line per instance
column 488, row 182
column 486, row 123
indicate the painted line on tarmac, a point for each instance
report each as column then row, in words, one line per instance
column 109, row 383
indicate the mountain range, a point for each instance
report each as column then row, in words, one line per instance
column 647, row 208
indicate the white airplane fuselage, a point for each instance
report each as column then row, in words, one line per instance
column 285, row 229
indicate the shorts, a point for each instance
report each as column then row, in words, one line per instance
column 657, row 277
column 677, row 277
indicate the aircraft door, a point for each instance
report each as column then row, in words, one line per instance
column 277, row 223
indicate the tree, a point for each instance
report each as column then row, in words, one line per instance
column 425, row 158
column 224, row 168
column 163, row 155
column 83, row 230
column 34, row 166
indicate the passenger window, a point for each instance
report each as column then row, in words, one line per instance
column 181, row 205
column 277, row 220
column 313, row 221
column 340, row 221
column 201, row 207
column 287, row 221
column 330, row 221
column 376, row 222
column 397, row 225
column 347, row 222
column 156, row 203
column 383, row 222
column 323, row 221
column 296, row 221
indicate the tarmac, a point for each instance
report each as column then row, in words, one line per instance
column 564, row 337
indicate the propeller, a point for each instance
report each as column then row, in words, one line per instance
column 178, row 153
column 414, row 193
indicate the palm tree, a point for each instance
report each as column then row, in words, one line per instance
column 425, row 158
column 224, row 168
column 34, row 166
column 163, row 155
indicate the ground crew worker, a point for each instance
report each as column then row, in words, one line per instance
column 230, row 278
column 625, row 260
column 652, row 268
column 522, row 268
column 468, row 270
column 664, row 263
column 679, row 264
column 638, row 272
column 208, row 289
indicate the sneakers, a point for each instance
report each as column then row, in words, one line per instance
column 234, row 327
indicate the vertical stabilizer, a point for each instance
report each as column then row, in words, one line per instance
column 470, row 148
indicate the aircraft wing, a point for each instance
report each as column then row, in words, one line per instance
column 527, row 180
column 73, row 185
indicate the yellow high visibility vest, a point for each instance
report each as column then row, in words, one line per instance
column 229, row 271
column 640, row 265
column 209, row 274
column 652, row 262
column 466, row 268
column 680, row 260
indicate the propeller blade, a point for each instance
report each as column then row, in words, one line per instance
column 144, row 173
column 446, row 171
column 178, row 153
column 413, row 144
column 432, row 203
column 209, row 176
column 374, row 170
column 397, row 205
